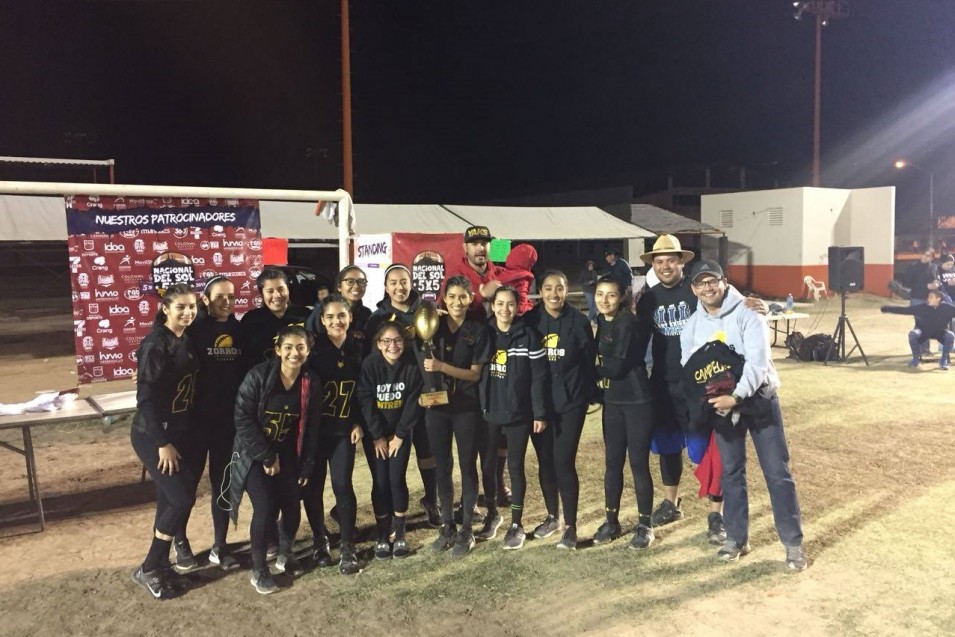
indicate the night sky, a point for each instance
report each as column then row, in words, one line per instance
column 462, row 102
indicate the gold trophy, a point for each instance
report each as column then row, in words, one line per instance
column 426, row 322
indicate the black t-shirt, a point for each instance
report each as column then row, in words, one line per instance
column 221, row 367
column 338, row 369
column 467, row 346
column 259, row 328
column 664, row 311
column 165, row 384
column 283, row 410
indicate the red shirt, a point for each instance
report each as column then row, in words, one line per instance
column 463, row 268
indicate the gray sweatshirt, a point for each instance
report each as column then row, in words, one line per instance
column 742, row 329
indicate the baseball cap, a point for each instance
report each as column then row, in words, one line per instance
column 477, row 233
column 706, row 267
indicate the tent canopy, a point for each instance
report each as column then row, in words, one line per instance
column 662, row 221
column 550, row 224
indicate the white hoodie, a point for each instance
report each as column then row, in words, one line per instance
column 743, row 329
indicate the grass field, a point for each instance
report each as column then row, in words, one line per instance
column 871, row 453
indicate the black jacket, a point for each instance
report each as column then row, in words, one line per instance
column 165, row 386
column 250, row 442
column 388, row 396
column 571, row 354
column 918, row 278
column 932, row 321
column 622, row 345
column 516, row 372
column 258, row 329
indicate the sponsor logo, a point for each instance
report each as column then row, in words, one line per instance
column 79, row 361
column 160, row 246
column 246, row 286
column 144, row 307
column 123, row 371
column 97, row 372
column 129, row 234
column 75, row 296
column 99, row 261
column 126, row 262
column 117, row 310
column 255, row 244
column 188, row 202
column 145, row 325
column 254, row 272
column 241, row 302
column 198, row 261
column 74, row 264
column 228, row 244
column 79, row 328
column 89, row 359
column 92, row 309
column 234, row 259
column 114, row 247
column 83, row 279
column 88, row 343
column 105, row 280
column 110, row 343
column 204, row 245
column 84, row 296
column 139, row 246
column 89, row 245
column 133, row 294
column 110, row 357
column 372, row 249
column 213, row 245
column 106, row 294
column 143, row 262
column 208, row 274
column 132, row 356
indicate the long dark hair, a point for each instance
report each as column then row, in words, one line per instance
column 168, row 297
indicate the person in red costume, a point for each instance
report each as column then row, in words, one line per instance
column 477, row 267
column 517, row 274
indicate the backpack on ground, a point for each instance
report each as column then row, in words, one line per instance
column 793, row 343
column 816, row 347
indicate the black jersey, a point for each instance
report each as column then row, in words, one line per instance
column 469, row 345
column 663, row 312
column 282, row 414
column 259, row 327
column 221, row 367
column 165, row 386
column 339, row 368
column 621, row 345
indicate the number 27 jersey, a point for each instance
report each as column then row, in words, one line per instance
column 338, row 369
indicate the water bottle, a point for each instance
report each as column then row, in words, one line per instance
column 789, row 304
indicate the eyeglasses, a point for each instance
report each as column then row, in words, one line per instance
column 355, row 283
column 391, row 341
column 712, row 282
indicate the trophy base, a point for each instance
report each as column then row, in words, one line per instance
column 433, row 398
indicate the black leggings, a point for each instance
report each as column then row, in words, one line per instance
column 336, row 455
column 176, row 493
column 464, row 428
column 221, row 440
column 671, row 468
column 628, row 428
column 557, row 455
column 518, row 434
column 389, row 489
column 269, row 496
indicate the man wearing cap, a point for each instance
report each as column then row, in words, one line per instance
column 476, row 266
column 663, row 310
column 620, row 272
column 722, row 315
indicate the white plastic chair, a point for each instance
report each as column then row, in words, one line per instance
column 815, row 289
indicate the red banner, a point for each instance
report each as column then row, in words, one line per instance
column 428, row 256
column 124, row 252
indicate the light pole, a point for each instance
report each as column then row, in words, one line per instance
column 824, row 10
column 903, row 163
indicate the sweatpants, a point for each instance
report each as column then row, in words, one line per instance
column 627, row 428
column 271, row 495
column 336, row 456
column 463, row 428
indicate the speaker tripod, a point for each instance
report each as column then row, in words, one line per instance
column 838, row 343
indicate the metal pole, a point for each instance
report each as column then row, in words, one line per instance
column 346, row 102
column 817, row 99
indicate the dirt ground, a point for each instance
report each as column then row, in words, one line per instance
column 871, row 450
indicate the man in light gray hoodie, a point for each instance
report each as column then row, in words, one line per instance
column 722, row 315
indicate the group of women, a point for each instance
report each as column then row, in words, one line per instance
column 275, row 426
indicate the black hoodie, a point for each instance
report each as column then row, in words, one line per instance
column 388, row 396
column 571, row 355
column 517, row 371
column 259, row 327
column 388, row 312
column 622, row 345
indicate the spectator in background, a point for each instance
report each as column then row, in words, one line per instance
column 946, row 274
column 921, row 278
column 588, row 285
column 932, row 321
column 620, row 272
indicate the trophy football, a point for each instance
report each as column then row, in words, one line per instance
column 426, row 322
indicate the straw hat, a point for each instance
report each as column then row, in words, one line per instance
column 666, row 244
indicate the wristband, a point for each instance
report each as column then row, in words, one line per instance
column 736, row 398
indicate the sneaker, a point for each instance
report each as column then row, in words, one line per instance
column 383, row 550
column 433, row 512
column 223, row 560
column 667, row 513
column 514, row 538
column 185, row 560
column 271, row 552
column 154, row 582
column 289, row 564
column 321, row 555
column 462, row 546
column 642, row 537
column 445, row 539
column 914, row 362
column 796, row 558
column 348, row 562
column 402, row 549
column 477, row 516
column 263, row 582
column 732, row 551
column 715, row 532
column 569, row 539
column 608, row 532
column 491, row 524
column 943, row 365
column 547, row 528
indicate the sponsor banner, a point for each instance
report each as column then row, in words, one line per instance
column 124, row 252
column 373, row 255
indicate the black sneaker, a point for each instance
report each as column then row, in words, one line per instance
column 732, row 551
column 608, row 532
column 569, row 540
column 154, row 583
column 289, row 564
column 642, row 537
column 402, row 549
column 321, row 555
column 185, row 560
column 445, row 539
column 547, row 528
column 223, row 560
column 383, row 550
column 263, row 582
column 463, row 545
column 715, row 532
column 667, row 513
column 491, row 524
column 348, row 562
column 796, row 558
column 514, row 538
column 433, row 512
